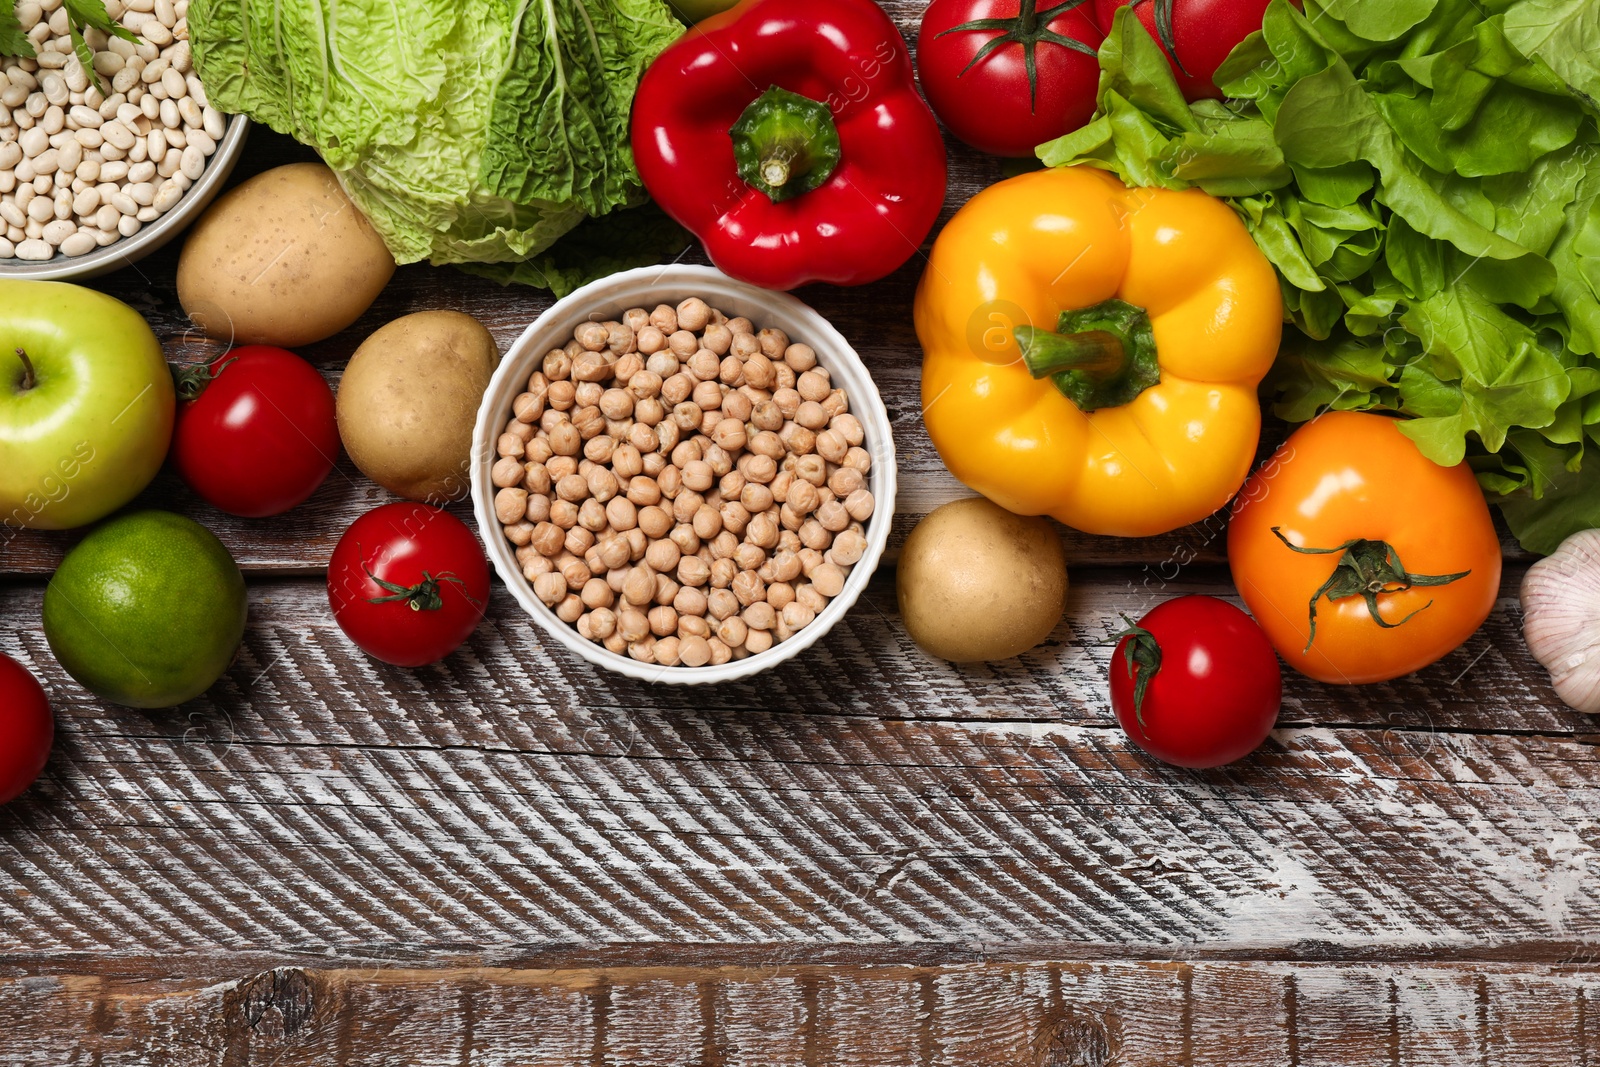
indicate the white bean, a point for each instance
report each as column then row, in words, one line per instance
column 13, row 96
column 86, row 203
column 69, row 155
column 150, row 106
column 58, row 231
column 157, row 34
column 193, row 162
column 54, row 87
column 108, row 64
column 54, row 120
column 7, row 249
column 147, row 214
column 41, row 209
column 154, row 70
column 8, row 181
column 86, row 117
column 124, row 79
column 169, row 114
column 34, row 142
column 105, row 237
column 35, row 250
column 123, row 49
column 167, row 196
column 46, row 162
column 25, row 172
column 141, row 172
column 89, row 138
column 156, row 144
column 192, row 115
column 77, row 80
column 175, row 136
column 12, row 213
column 215, row 124
column 29, row 15
column 173, row 83
column 182, row 59
column 197, row 91
column 124, row 203
column 77, row 244
column 106, row 217
column 89, row 170
column 202, row 140
column 10, row 155
column 117, row 135
column 61, row 205
column 128, row 225
column 114, row 170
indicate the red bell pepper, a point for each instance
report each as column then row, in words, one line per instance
column 835, row 173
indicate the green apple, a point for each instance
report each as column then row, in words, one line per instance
column 86, row 404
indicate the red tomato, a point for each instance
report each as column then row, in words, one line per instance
column 1211, row 683
column 977, row 77
column 260, row 436
column 1204, row 31
column 408, row 583
column 26, row 728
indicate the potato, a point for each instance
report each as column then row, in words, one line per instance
column 284, row 259
column 409, row 399
column 976, row 582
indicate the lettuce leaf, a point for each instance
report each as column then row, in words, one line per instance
column 1425, row 177
column 467, row 133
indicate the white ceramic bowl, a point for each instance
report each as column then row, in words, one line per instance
column 128, row 250
column 647, row 287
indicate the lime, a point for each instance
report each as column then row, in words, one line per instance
column 146, row 611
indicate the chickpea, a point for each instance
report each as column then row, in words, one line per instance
column 758, row 641
column 773, row 342
column 767, row 415
column 780, row 595
column 760, row 469
column 693, row 571
column 620, row 339
column 693, row 314
column 667, row 435
column 848, row 548
column 570, row 610
column 707, row 396
column 666, row 589
column 639, row 588
column 650, row 339
column 848, row 427
column 654, row 521
column 591, row 335
column 744, row 345
column 550, row 588
column 643, row 649
column 859, row 505
column 858, row 458
column 597, row 594
column 689, row 601
column 564, row 514
column 663, row 620
column 811, row 415
column 506, row 472
column 846, row 480
column 695, row 651
column 796, row 616
column 723, row 571
column 602, row 623
column 556, row 366
column 565, row 439
column 632, row 624
column 683, row 344
column 668, row 650
column 664, row 318
column 662, row 555
column 737, row 406
column 685, row 538
column 703, row 365
column 621, row 514
column 578, row 541
column 548, row 538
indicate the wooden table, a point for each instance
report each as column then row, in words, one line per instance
column 866, row 857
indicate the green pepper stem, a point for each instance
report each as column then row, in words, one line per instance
column 785, row 144
column 1100, row 354
column 1098, row 357
column 29, row 379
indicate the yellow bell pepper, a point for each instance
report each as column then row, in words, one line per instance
column 1092, row 351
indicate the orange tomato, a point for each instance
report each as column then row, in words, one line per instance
column 1346, row 477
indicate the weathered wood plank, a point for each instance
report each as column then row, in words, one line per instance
column 865, row 795
column 1131, row 1014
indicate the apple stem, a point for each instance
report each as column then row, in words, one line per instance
column 28, row 379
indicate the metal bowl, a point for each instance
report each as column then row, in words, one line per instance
column 127, row 250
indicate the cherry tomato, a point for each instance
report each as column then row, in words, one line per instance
column 1210, row 683
column 26, row 728
column 979, row 79
column 1204, row 31
column 1363, row 559
column 408, row 583
column 256, row 433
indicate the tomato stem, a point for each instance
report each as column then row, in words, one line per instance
column 191, row 379
column 424, row 596
column 29, row 379
column 1164, row 31
column 1366, row 569
column 1027, row 27
column 1143, row 657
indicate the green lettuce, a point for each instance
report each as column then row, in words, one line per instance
column 1425, row 177
column 475, row 133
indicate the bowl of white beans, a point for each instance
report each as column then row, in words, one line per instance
column 683, row 478
column 99, row 169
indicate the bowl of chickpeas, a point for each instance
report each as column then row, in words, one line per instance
column 681, row 477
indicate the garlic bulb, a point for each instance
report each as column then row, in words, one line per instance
column 1561, row 619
